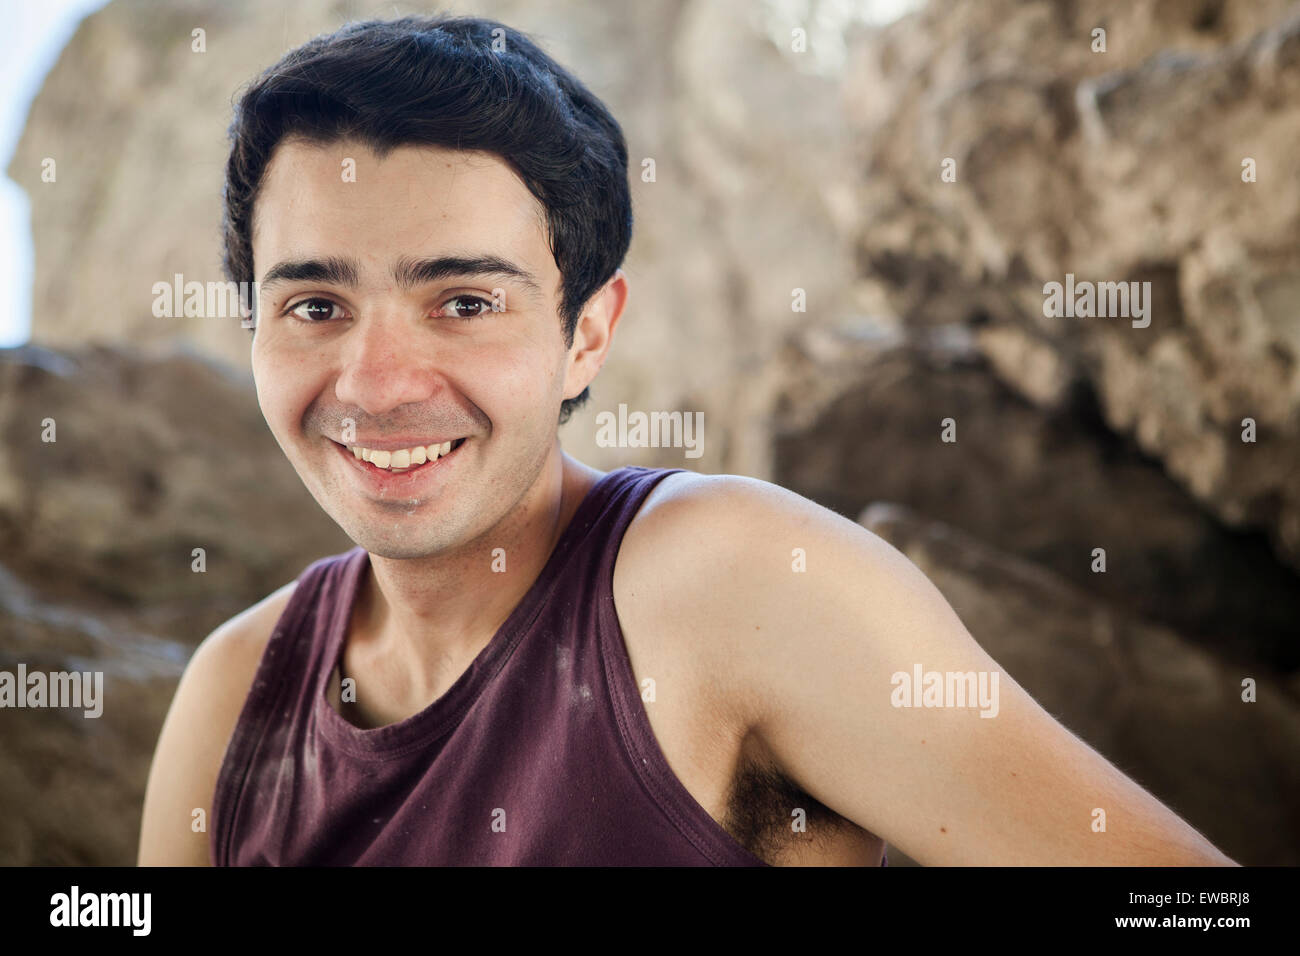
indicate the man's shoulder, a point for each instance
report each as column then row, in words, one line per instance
column 731, row 571
column 234, row 649
column 724, row 519
column 223, row 667
column 197, row 731
column 245, row 635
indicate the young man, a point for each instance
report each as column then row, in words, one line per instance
column 524, row 660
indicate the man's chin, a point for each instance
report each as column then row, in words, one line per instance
column 399, row 553
column 396, row 544
column 390, row 529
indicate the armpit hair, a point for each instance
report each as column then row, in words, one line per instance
column 760, row 811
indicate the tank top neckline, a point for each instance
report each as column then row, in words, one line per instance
column 441, row 716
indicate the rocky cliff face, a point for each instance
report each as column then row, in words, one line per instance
column 148, row 458
column 774, row 172
column 858, row 420
column 1119, row 166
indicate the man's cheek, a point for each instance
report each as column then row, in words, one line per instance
column 271, row 401
column 278, row 407
column 528, row 377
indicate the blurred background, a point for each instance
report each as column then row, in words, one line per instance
column 776, row 169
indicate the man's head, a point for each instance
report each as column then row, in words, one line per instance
column 435, row 214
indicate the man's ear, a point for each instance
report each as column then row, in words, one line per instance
column 594, row 334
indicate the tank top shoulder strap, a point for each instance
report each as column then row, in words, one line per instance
column 599, row 526
column 297, row 647
column 608, row 653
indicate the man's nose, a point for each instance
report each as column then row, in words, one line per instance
column 382, row 368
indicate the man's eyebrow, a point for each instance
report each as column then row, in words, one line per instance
column 334, row 270
column 407, row 272
column 413, row 272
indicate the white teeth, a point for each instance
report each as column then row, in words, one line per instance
column 403, row 457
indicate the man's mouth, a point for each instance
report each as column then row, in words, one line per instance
column 401, row 460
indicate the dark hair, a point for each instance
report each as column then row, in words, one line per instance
column 456, row 82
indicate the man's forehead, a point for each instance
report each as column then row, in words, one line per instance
column 413, row 189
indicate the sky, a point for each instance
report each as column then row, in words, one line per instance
column 35, row 31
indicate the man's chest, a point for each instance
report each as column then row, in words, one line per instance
column 707, row 740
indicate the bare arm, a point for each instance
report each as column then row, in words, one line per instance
column 811, row 655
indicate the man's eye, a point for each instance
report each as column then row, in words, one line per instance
column 315, row 310
column 476, row 305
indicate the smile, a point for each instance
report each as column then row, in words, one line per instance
column 400, row 460
column 380, row 472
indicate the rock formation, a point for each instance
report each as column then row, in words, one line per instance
column 1119, row 166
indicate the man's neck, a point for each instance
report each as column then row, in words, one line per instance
column 425, row 612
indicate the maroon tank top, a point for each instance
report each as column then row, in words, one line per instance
column 541, row 753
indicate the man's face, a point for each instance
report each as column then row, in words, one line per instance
column 409, row 358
